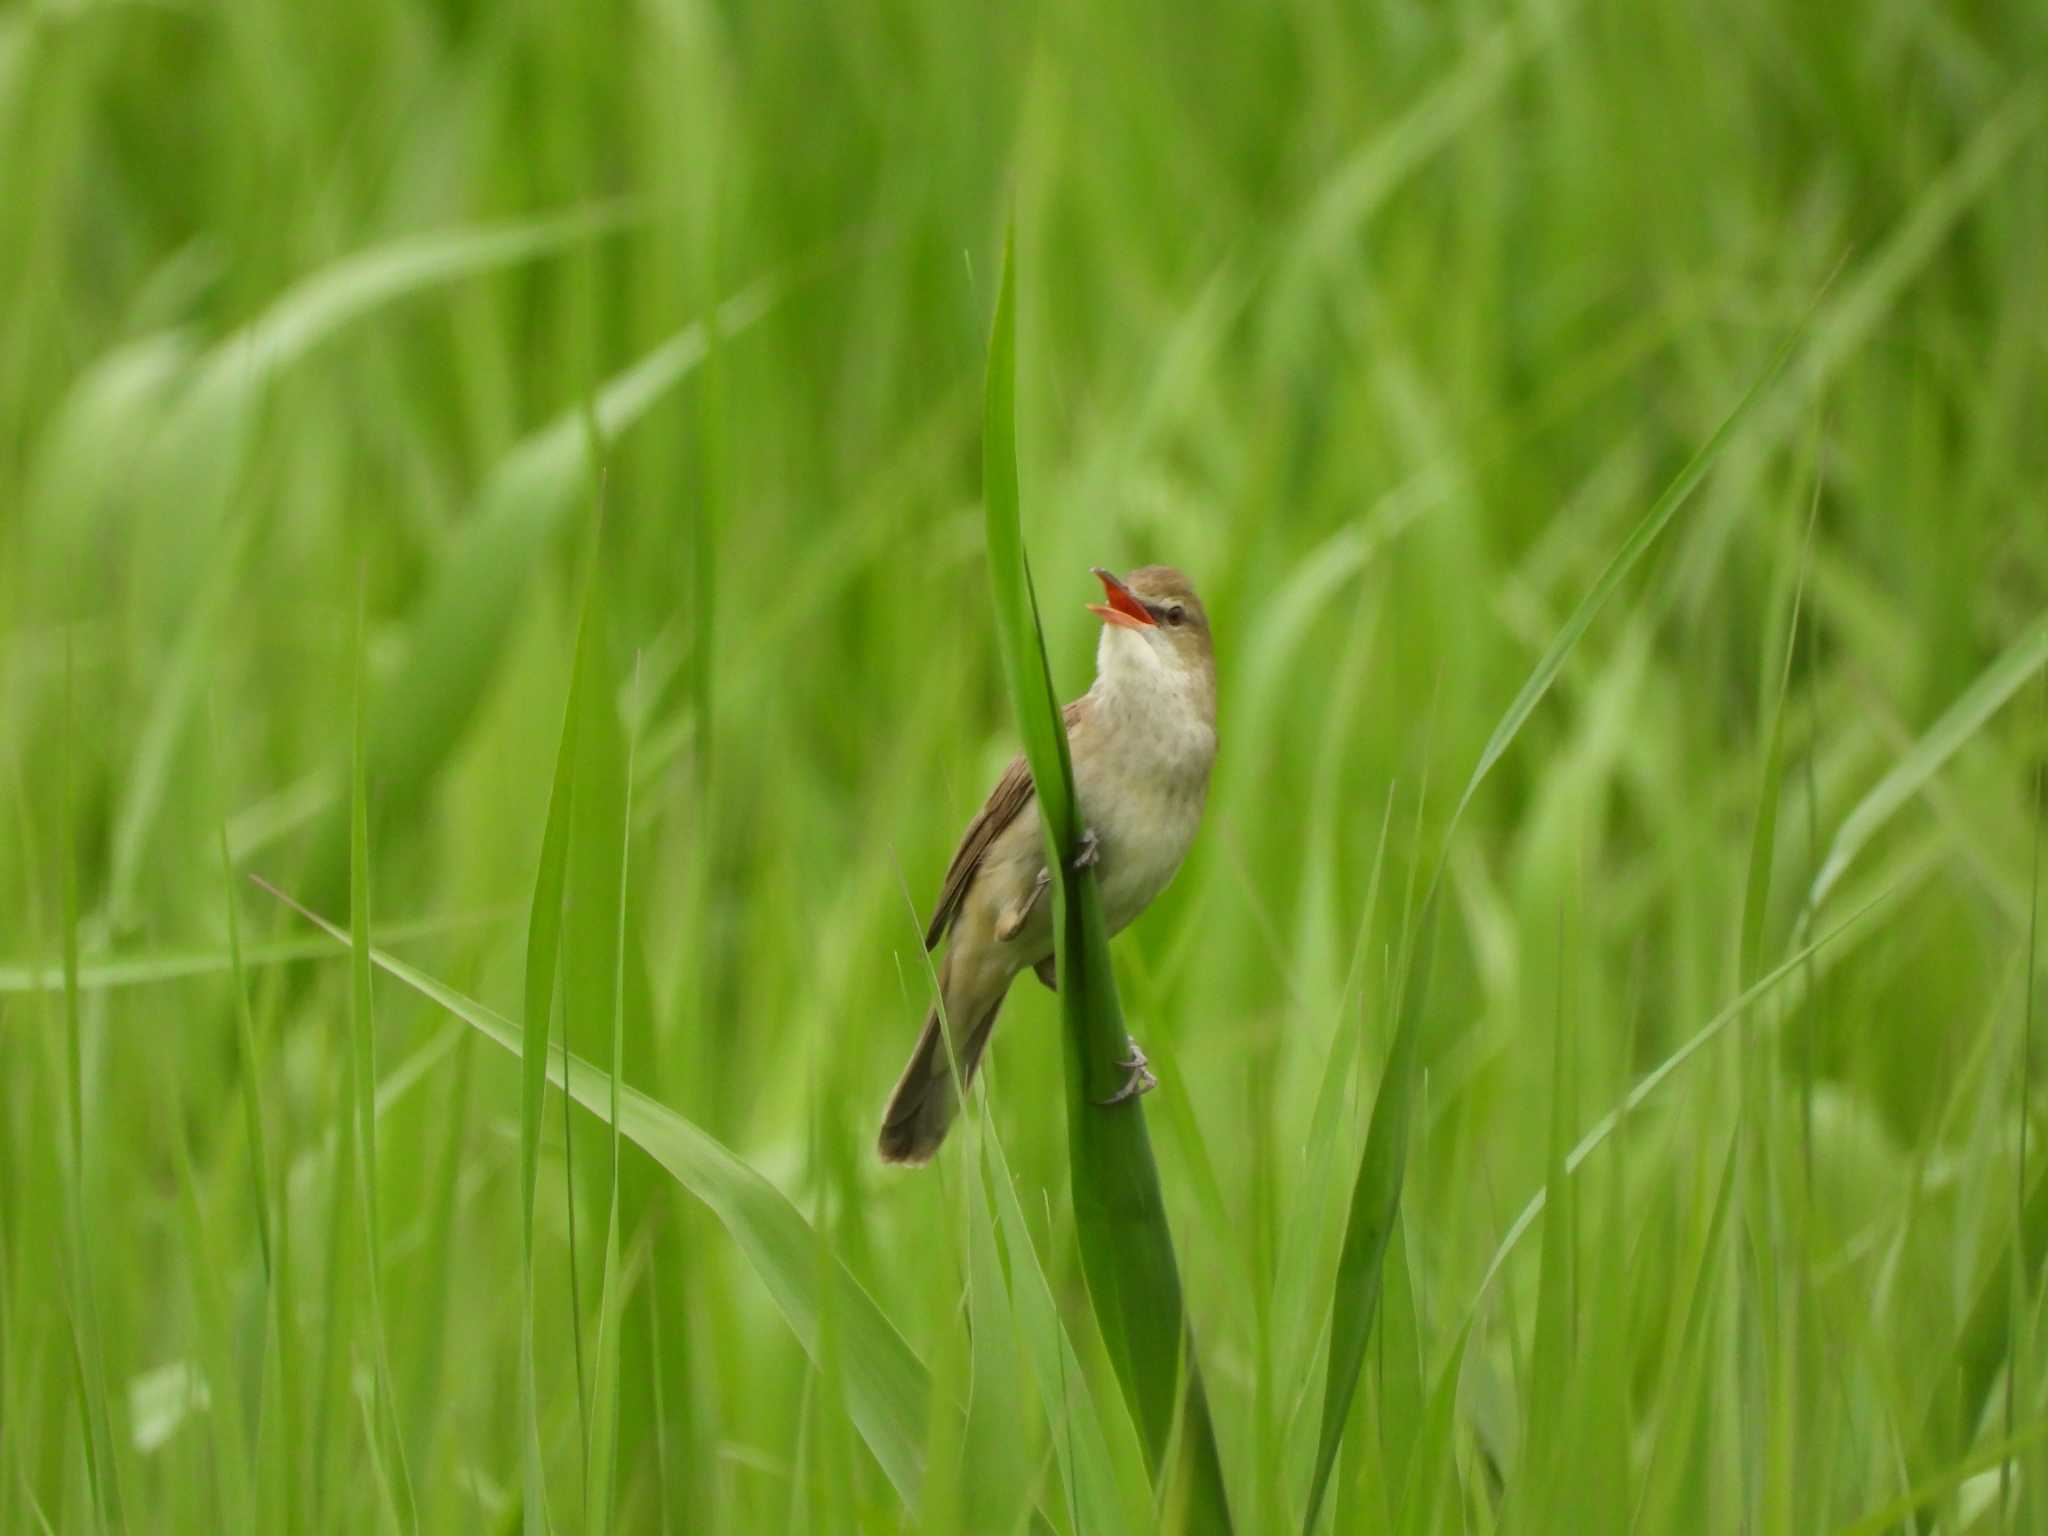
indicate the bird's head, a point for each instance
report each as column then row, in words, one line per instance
column 1152, row 622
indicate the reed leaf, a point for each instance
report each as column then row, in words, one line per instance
column 1120, row 1215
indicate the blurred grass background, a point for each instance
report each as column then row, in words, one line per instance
column 1386, row 323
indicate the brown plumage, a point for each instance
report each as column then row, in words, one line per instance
column 1142, row 740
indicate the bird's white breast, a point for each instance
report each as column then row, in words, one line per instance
column 1144, row 775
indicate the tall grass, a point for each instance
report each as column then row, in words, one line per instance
column 1719, row 1201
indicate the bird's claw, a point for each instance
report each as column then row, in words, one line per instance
column 1089, row 851
column 1140, row 1082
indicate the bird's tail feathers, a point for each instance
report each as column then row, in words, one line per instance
column 921, row 1109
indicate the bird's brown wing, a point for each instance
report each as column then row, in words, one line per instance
column 1012, row 793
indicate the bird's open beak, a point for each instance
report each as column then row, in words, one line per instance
column 1122, row 608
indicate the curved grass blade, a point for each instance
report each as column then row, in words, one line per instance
column 1376, row 1193
column 1120, row 1215
column 1625, row 559
column 887, row 1386
column 207, row 411
column 1993, row 687
column 358, row 285
column 102, row 1455
column 154, row 968
column 210, row 397
column 1947, row 1480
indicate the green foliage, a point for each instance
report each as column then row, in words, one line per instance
column 1376, row 1196
column 323, row 329
column 888, row 1387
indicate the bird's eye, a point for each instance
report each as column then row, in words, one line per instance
column 1176, row 614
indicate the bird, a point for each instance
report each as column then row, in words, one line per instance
column 1142, row 741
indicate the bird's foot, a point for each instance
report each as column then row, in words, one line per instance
column 1140, row 1082
column 1086, row 855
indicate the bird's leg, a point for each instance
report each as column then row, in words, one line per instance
column 1141, row 1081
column 1010, row 922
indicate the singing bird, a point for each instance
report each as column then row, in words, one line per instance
column 1142, row 739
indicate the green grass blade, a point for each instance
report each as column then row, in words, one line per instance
column 363, row 1106
column 1688, row 1392
column 1625, row 560
column 543, row 951
column 1375, row 1202
column 1764, row 834
column 2020, row 1328
column 272, row 1376
column 1097, row 1446
column 102, row 1456
column 605, row 1398
column 590, row 965
column 156, row 967
column 1312, row 1235
column 1126, row 1247
column 333, row 1387
column 172, row 716
column 1434, row 1462
column 995, row 1472
column 1985, row 1341
column 226, row 1413
column 253, row 1072
column 1552, row 1363
column 887, row 1386
column 1403, row 1384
